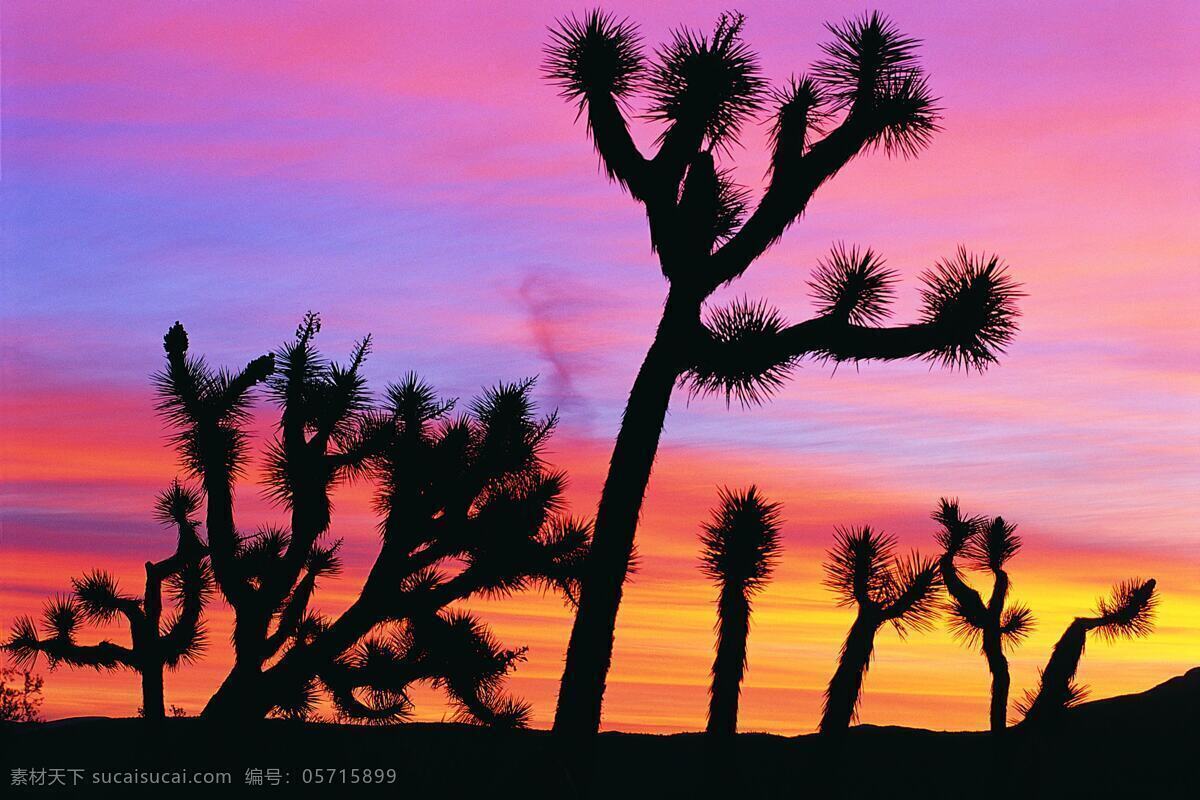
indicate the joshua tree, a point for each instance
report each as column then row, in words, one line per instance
column 467, row 506
column 868, row 92
column 741, row 545
column 986, row 545
column 155, row 643
column 1127, row 613
column 865, row 573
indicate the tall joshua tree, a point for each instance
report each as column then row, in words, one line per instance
column 1127, row 613
column 986, row 545
column 155, row 643
column 467, row 506
column 868, row 92
column 740, row 548
column 865, row 573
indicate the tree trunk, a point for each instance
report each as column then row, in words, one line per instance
column 249, row 693
column 998, row 666
column 240, row 697
column 153, row 705
column 1055, row 691
column 145, row 637
column 222, row 536
column 730, row 663
column 841, row 698
column 589, row 653
column 243, row 683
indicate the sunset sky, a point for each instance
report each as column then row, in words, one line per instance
column 403, row 169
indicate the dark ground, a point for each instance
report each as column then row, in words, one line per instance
column 1143, row 745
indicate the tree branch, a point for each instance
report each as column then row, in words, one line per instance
column 622, row 160
column 999, row 594
column 767, row 351
column 102, row 655
column 792, row 185
column 969, row 600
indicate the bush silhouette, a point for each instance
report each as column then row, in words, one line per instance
column 991, row 626
column 155, row 643
column 20, row 695
column 864, row 572
column 740, row 547
column 869, row 92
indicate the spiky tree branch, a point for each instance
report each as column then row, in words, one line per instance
column 870, row 72
column 746, row 351
column 208, row 410
column 1127, row 613
column 597, row 62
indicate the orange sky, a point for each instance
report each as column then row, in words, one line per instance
column 663, row 649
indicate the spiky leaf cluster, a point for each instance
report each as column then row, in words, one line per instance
column 207, row 407
column 1128, row 611
column 853, row 285
column 708, row 84
column 177, row 505
column 964, row 624
column 1016, row 624
column 912, row 602
column 973, row 300
column 741, row 541
column 596, row 55
column 871, row 68
column 955, row 531
column 61, row 616
column 801, row 113
column 994, row 543
column 321, row 439
column 906, row 115
column 1074, row 694
column 259, row 553
column 299, row 703
column 741, row 359
column 857, row 566
column 863, row 570
column 99, row 598
column 864, row 51
column 450, row 650
column 22, row 643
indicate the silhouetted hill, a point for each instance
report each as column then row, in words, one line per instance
column 1172, row 704
column 1142, row 744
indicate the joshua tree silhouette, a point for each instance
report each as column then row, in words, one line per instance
column 155, row 643
column 863, row 570
column 468, row 507
column 741, row 545
column 1127, row 613
column 986, row 545
column 869, row 92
